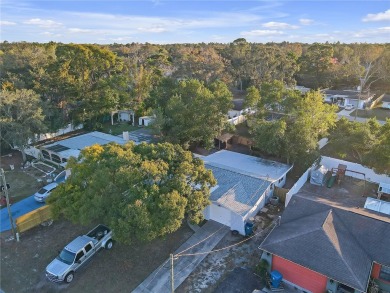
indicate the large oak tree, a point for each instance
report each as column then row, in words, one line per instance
column 21, row 118
column 141, row 191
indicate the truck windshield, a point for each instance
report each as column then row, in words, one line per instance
column 66, row 256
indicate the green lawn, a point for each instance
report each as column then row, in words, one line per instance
column 380, row 114
column 22, row 185
column 117, row 129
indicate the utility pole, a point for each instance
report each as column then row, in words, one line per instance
column 4, row 183
column 172, row 275
column 359, row 96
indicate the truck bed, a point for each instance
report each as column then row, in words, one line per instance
column 98, row 232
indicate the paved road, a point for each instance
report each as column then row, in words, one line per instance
column 18, row 209
column 160, row 280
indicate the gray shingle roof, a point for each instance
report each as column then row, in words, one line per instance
column 334, row 242
column 236, row 192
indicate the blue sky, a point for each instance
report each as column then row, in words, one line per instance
column 185, row 21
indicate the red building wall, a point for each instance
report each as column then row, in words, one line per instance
column 299, row 275
column 376, row 268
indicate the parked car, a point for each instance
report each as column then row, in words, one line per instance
column 348, row 107
column 77, row 252
column 44, row 192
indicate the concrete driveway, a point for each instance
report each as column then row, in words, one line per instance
column 160, row 280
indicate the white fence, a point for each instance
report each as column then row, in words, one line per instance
column 330, row 163
column 237, row 120
column 62, row 131
column 297, row 186
column 371, row 176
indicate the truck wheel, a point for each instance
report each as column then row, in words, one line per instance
column 69, row 277
column 109, row 244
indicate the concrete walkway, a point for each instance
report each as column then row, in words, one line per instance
column 160, row 280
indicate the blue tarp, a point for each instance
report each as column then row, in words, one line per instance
column 18, row 209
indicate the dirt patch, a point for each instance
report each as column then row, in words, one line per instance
column 14, row 158
column 119, row 270
column 239, row 252
column 22, row 185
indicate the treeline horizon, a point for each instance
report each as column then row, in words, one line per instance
column 70, row 77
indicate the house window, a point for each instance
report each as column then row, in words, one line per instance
column 385, row 273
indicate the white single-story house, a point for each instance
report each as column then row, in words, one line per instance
column 145, row 120
column 348, row 97
column 60, row 151
column 244, row 185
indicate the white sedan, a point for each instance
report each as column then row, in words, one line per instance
column 44, row 192
column 349, row 107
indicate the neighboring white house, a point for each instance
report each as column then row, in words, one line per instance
column 346, row 97
column 244, row 185
column 60, row 151
column 145, row 120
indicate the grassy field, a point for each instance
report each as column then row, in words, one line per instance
column 117, row 129
column 380, row 114
column 22, row 184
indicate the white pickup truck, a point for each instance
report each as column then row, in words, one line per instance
column 77, row 252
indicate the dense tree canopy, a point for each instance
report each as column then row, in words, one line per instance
column 294, row 134
column 368, row 143
column 141, row 191
column 84, row 83
column 195, row 114
column 21, row 118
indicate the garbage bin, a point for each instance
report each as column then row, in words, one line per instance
column 274, row 200
column 248, row 228
column 276, row 279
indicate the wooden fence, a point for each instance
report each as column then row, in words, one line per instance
column 33, row 219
